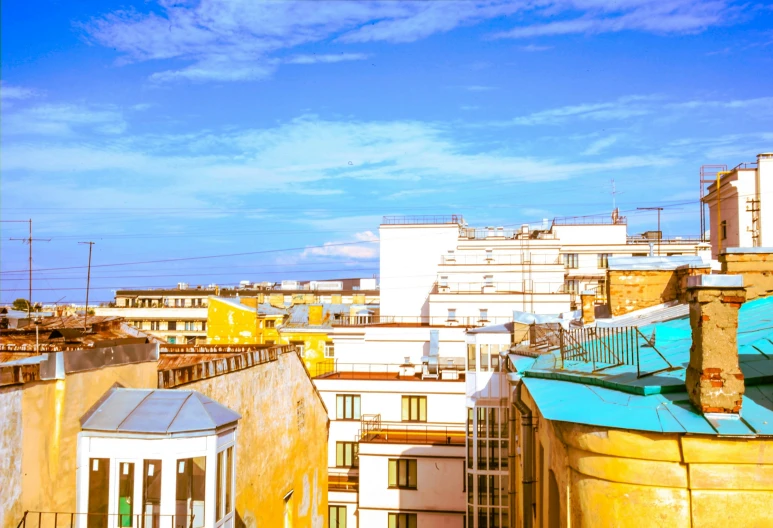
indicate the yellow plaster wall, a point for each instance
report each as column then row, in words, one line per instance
column 228, row 324
column 757, row 269
column 281, row 441
column 314, row 346
column 51, row 412
column 629, row 290
column 611, row 477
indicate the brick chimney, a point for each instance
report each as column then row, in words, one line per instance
column 714, row 379
column 588, row 304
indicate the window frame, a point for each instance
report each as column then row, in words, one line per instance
column 602, row 260
column 351, row 398
column 329, row 350
column 405, row 473
column 410, row 408
column 338, row 508
column 571, row 260
column 483, row 314
column 452, row 314
column 353, row 454
column 410, row 520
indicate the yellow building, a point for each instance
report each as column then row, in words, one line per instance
column 611, row 431
column 243, row 321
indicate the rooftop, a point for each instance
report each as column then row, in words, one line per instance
column 651, row 395
column 157, row 412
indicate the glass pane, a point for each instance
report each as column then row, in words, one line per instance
column 471, row 357
column 412, row 519
column 392, row 473
column 414, row 414
column 99, row 483
column 339, row 454
column 189, row 512
column 219, row 495
column 151, row 493
column 412, row 473
column 423, row 409
column 339, row 407
column 484, row 357
column 356, row 407
column 125, row 493
column 392, row 520
column 333, row 517
column 406, row 402
column 229, row 473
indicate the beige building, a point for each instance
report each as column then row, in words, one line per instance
column 740, row 214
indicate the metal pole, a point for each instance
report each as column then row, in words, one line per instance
column 660, row 234
column 29, row 302
column 88, row 285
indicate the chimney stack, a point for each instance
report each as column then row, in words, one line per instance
column 714, row 380
column 588, row 302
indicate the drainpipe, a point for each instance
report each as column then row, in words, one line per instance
column 513, row 494
column 529, row 462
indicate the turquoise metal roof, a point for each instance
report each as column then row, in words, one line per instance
column 617, row 397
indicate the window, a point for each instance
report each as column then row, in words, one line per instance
column 414, row 408
column 402, row 520
column 329, row 350
column 471, row 357
column 155, row 325
column 443, row 283
column 203, row 325
column 300, row 346
column 125, row 493
column 601, row 290
column 336, row 516
column 723, row 229
column 178, row 303
column 452, row 314
column 488, row 280
column 571, row 260
column 225, row 468
column 171, row 340
column 191, row 476
column 138, row 324
column 348, row 407
column 190, row 325
column 151, row 492
column 572, row 286
column 484, row 314
column 489, row 254
column 402, row 473
column 347, row 454
column 269, row 323
column 603, row 260
column 99, row 481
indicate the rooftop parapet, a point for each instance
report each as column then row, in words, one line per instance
column 423, row 220
column 612, row 219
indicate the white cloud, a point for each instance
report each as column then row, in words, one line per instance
column 535, row 47
column 63, row 119
column 238, row 40
column 365, row 246
column 9, row 92
column 599, row 145
column 478, row 88
column 325, row 58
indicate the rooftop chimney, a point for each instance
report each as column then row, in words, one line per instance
column 714, row 379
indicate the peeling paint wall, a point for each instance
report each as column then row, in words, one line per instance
column 630, row 290
column 227, row 323
column 612, row 477
column 757, row 269
column 281, row 442
column 11, row 509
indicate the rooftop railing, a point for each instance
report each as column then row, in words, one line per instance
column 423, row 219
column 502, row 258
column 518, row 287
column 745, row 165
column 419, row 320
column 671, row 240
column 590, row 220
column 477, row 233
column 374, row 430
column 332, row 369
column 39, row 519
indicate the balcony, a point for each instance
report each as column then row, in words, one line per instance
column 499, row 287
column 373, row 430
column 39, row 519
column 343, row 482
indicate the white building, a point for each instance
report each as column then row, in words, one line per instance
column 438, row 270
column 396, row 447
column 740, row 214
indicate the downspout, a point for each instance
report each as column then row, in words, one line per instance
column 529, row 463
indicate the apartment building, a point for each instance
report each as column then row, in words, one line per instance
column 439, row 269
column 396, row 451
column 739, row 212
column 179, row 316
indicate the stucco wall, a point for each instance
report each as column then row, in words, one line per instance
column 630, row 290
column 281, row 442
column 757, row 269
column 227, row 323
column 11, row 509
column 613, row 477
column 51, row 412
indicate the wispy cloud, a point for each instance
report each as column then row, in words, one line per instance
column 478, row 88
column 10, row 92
column 599, row 145
column 364, row 246
column 238, row 40
column 63, row 119
column 534, row 47
column 325, row 58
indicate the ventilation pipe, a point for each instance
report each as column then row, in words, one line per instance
column 529, row 462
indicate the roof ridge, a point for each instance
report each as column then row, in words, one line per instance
column 150, row 391
column 190, row 393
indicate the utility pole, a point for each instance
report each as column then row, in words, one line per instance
column 88, row 283
column 614, row 194
column 658, row 209
column 29, row 240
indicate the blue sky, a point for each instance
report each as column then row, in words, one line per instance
column 283, row 131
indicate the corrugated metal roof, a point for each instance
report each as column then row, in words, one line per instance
column 616, row 397
column 157, row 412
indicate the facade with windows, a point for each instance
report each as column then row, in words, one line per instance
column 174, row 325
column 439, row 270
column 396, row 447
column 157, row 458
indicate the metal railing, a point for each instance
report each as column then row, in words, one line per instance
column 423, row 219
column 500, row 287
column 342, row 482
column 419, row 320
column 502, row 258
column 745, row 165
column 612, row 347
column 379, row 371
column 404, row 433
column 477, row 233
column 590, row 220
column 638, row 239
column 40, row 519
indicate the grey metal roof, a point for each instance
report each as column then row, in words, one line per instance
column 656, row 263
column 646, row 316
column 157, row 412
column 748, row 250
